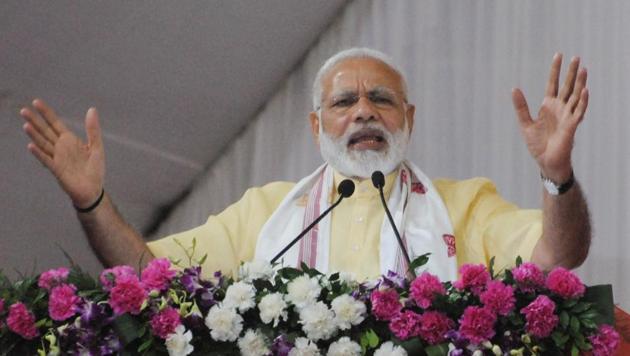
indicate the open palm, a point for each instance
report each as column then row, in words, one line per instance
column 78, row 166
column 550, row 136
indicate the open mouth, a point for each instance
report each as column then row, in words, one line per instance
column 367, row 136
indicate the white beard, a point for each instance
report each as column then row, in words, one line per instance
column 362, row 163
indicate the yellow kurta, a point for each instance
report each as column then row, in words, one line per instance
column 484, row 225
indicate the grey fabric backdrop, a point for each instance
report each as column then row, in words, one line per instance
column 462, row 58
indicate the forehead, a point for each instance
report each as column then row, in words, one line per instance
column 356, row 74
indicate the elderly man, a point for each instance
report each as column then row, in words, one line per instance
column 362, row 122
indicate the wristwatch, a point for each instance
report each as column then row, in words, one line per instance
column 557, row 189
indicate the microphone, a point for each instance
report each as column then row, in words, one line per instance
column 345, row 189
column 378, row 180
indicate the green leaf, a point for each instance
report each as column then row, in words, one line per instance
column 127, row 328
column 564, row 319
column 491, row 267
column 519, row 261
column 580, row 307
column 145, row 345
column 602, row 299
column 575, row 326
column 559, row 339
column 437, row 350
column 203, row 259
column 575, row 351
column 419, row 261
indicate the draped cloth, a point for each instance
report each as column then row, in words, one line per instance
column 417, row 209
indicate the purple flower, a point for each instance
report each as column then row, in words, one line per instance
column 498, row 297
column 424, row 289
column 53, row 277
column 605, row 342
column 94, row 315
column 472, row 277
column 540, row 316
column 63, row 302
column 405, row 325
column 477, row 324
column 157, row 275
column 385, row 304
column 281, row 346
column 434, row 327
column 202, row 289
column 528, row 277
column 565, row 283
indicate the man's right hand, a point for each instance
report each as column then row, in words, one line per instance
column 78, row 166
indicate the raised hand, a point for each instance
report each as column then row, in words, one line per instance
column 78, row 166
column 550, row 135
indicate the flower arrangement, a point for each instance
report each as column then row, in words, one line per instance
column 270, row 310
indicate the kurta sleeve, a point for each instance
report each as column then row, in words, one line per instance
column 488, row 226
column 227, row 238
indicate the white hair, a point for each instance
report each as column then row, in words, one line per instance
column 350, row 53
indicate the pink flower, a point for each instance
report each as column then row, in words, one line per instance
column 498, row 297
column 477, row 324
column 540, row 316
column 385, row 304
column 434, row 326
column 21, row 321
column 405, row 325
column 473, row 277
column 164, row 323
column 53, row 277
column 528, row 277
column 424, row 288
column 565, row 283
column 1, row 305
column 127, row 295
column 109, row 277
column 157, row 274
column 605, row 342
column 63, row 302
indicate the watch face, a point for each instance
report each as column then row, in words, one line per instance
column 551, row 187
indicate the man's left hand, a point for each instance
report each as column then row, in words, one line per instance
column 550, row 136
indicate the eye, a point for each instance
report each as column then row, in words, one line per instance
column 343, row 102
column 381, row 99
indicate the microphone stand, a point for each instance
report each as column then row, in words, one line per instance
column 378, row 180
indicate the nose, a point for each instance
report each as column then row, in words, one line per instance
column 364, row 110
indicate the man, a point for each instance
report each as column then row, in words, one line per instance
column 362, row 121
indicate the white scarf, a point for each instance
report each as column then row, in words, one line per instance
column 414, row 202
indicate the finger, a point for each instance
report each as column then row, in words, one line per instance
column 554, row 74
column 93, row 129
column 577, row 91
column 569, row 81
column 50, row 116
column 41, row 156
column 39, row 140
column 521, row 108
column 39, row 124
column 580, row 110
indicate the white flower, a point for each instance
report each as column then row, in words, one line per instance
column 224, row 323
column 253, row 343
column 256, row 269
column 348, row 311
column 240, row 295
column 389, row 349
column 344, row 347
column 178, row 343
column 318, row 322
column 303, row 291
column 304, row 347
column 272, row 307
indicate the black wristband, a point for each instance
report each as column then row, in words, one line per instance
column 93, row 206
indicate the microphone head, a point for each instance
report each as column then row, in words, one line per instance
column 345, row 188
column 378, row 179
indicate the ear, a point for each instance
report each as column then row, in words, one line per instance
column 409, row 114
column 314, row 119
